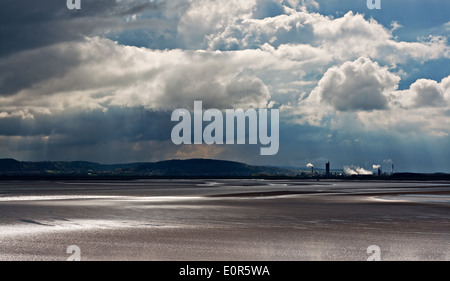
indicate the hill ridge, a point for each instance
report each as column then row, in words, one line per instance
column 173, row 167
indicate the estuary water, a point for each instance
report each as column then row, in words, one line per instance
column 224, row 220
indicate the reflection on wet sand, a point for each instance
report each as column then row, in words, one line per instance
column 224, row 220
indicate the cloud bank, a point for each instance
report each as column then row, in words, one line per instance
column 104, row 78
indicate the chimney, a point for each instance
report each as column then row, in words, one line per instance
column 327, row 169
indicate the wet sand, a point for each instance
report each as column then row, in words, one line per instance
column 224, row 220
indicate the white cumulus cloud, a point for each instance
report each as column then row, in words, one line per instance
column 358, row 85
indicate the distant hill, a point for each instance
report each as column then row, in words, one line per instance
column 205, row 167
column 80, row 167
column 180, row 168
column 196, row 168
column 10, row 165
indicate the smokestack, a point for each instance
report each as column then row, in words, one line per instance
column 311, row 166
column 379, row 172
column 327, row 169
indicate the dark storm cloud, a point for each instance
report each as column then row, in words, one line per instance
column 72, row 128
column 23, row 70
column 28, row 24
column 135, row 134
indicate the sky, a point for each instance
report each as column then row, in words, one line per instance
column 354, row 86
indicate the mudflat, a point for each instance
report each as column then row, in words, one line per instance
column 224, row 220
